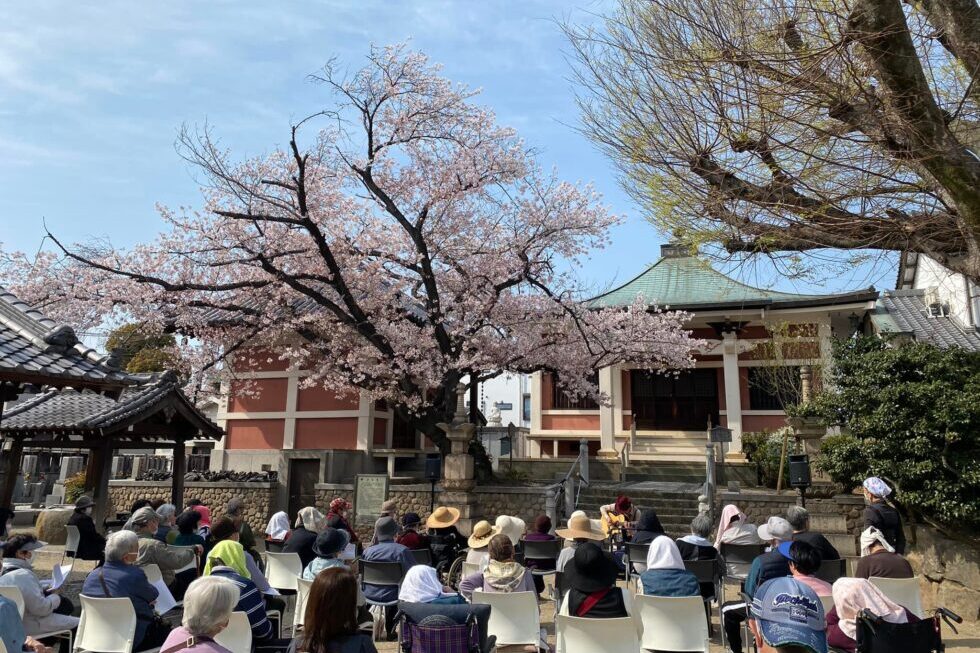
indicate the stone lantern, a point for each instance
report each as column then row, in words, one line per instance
column 458, row 474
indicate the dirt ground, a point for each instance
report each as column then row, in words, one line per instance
column 968, row 638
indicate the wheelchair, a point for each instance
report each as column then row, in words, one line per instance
column 875, row 635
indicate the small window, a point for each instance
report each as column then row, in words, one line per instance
column 561, row 401
column 773, row 388
column 526, row 408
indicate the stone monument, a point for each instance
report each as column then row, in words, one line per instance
column 458, row 477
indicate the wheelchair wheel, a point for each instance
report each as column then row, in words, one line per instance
column 455, row 573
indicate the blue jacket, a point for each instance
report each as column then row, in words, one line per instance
column 127, row 581
column 386, row 552
column 670, row 582
column 767, row 566
column 11, row 628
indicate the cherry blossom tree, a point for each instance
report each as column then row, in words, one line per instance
column 402, row 242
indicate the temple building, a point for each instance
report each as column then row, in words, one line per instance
column 747, row 332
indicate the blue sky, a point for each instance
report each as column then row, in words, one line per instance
column 92, row 94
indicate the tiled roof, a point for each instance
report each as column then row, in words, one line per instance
column 681, row 281
column 79, row 411
column 34, row 348
column 904, row 312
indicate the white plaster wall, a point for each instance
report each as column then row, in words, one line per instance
column 952, row 288
column 507, row 388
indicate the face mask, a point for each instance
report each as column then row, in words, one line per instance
column 88, row 511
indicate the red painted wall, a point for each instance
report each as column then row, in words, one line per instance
column 257, row 395
column 571, row 422
column 328, row 433
column 320, row 399
column 380, row 436
column 254, row 434
column 752, row 423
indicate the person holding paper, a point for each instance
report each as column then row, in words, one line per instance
column 119, row 577
column 145, row 523
column 44, row 611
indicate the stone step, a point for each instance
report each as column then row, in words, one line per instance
column 828, row 523
column 845, row 543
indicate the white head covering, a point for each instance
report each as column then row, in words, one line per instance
column 729, row 511
column 512, row 527
column 664, row 554
column 311, row 519
column 871, row 535
column 851, row 595
column 278, row 526
column 421, row 585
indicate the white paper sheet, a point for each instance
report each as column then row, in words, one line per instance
column 59, row 574
column 349, row 553
column 272, row 591
column 165, row 601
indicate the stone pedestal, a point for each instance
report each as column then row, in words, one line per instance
column 810, row 432
column 458, row 477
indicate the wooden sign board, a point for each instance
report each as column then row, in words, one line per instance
column 370, row 491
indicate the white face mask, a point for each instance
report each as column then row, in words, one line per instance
column 88, row 511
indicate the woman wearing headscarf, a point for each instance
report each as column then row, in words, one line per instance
column 878, row 558
column 227, row 560
column 590, row 578
column 309, row 524
column 277, row 531
column 337, row 517
column 851, row 596
column 665, row 574
column 881, row 515
column 204, row 526
column 421, row 585
column 734, row 528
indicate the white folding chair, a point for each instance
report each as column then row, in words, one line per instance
column 72, row 539
column 107, row 625
column 470, row 568
column 903, row 591
column 583, row 635
column 238, row 635
column 514, row 616
column 828, row 604
column 673, row 623
column 282, row 570
column 302, row 593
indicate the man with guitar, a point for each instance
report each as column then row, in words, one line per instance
column 619, row 517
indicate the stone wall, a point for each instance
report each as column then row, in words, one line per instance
column 950, row 570
column 259, row 497
column 524, row 502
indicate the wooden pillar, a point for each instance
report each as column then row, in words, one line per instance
column 177, row 478
column 11, row 469
column 474, row 398
column 102, row 469
column 92, row 471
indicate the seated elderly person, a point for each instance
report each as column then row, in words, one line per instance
column 90, row 543
column 208, row 604
column 386, row 550
column 44, row 611
column 697, row 546
column 590, row 578
column 851, row 596
column 227, row 560
column 120, row 578
column 421, row 585
column 502, row 573
column 12, row 630
column 235, row 510
column 879, row 559
column 665, row 573
column 226, row 529
column 799, row 518
column 145, row 523
column 168, row 520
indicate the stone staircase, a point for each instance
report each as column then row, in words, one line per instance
column 676, row 503
column 680, row 446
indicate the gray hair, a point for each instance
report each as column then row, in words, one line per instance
column 798, row 517
column 208, row 604
column 702, row 525
column 166, row 511
column 119, row 544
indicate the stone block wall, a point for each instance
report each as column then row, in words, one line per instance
column 524, row 502
column 259, row 497
column 950, row 570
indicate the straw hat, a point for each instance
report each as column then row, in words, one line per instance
column 482, row 532
column 442, row 517
column 580, row 528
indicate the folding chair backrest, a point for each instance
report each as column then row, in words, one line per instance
column 72, row 539
column 282, row 569
column 903, row 591
column 449, row 638
column 423, row 556
column 238, row 635
column 828, row 604
column 153, row 573
column 705, row 570
column 583, row 635
column 14, row 594
column 107, row 625
column 513, row 616
column 741, row 556
column 877, row 636
column 381, row 573
column 544, row 550
column 673, row 623
column 831, row 570
column 459, row 613
column 190, row 565
column 637, row 553
column 302, row 594
column 470, row 568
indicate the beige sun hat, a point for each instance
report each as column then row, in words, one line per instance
column 482, row 533
column 580, row 528
column 442, row 517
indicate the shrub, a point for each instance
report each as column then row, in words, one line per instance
column 765, row 449
column 843, row 458
column 74, row 487
column 914, row 413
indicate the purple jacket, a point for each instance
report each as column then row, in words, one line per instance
column 180, row 634
column 473, row 582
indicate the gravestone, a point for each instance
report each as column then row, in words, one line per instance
column 71, row 465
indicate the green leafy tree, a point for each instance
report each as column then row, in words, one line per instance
column 142, row 350
column 913, row 416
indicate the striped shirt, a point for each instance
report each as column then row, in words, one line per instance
column 250, row 601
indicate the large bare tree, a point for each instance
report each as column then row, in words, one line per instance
column 767, row 126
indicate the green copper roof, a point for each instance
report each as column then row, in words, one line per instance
column 678, row 280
